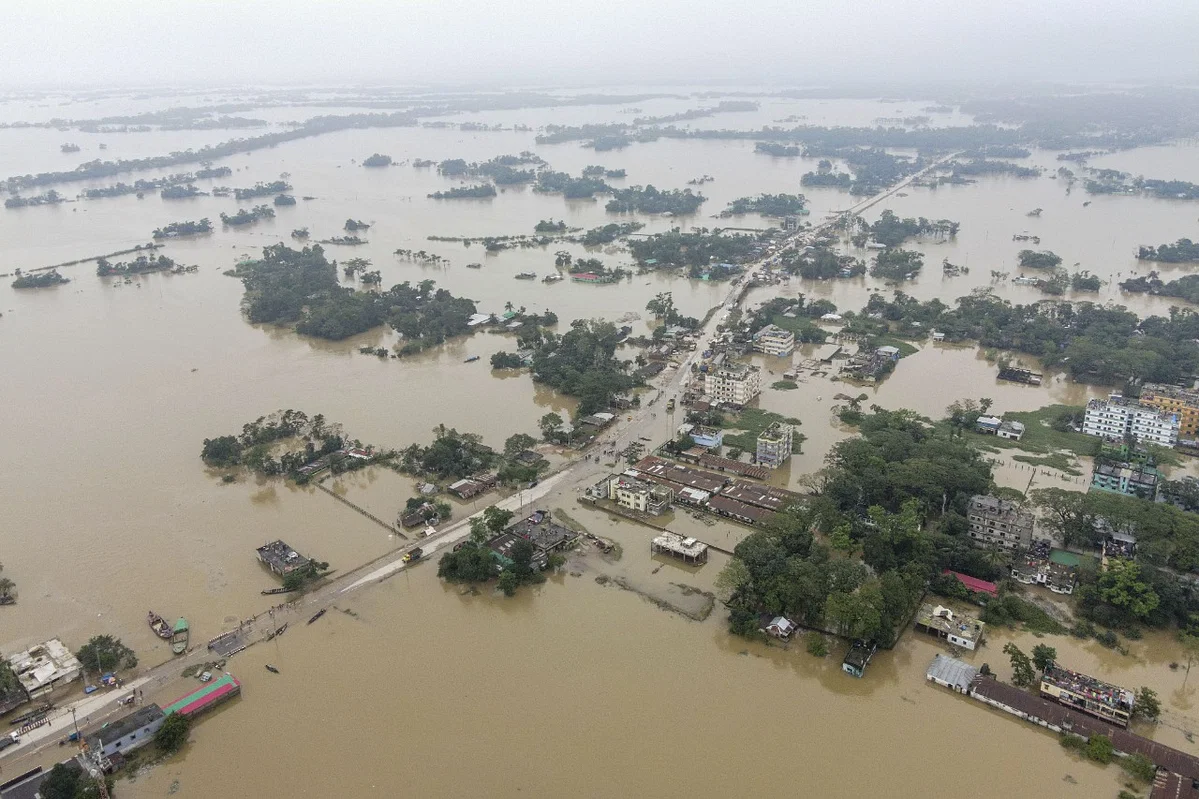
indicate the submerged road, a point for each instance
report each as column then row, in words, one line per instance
column 584, row 470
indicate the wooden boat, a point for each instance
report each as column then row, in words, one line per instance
column 271, row 669
column 159, row 625
column 180, row 637
column 318, row 614
column 268, row 591
column 526, row 276
column 471, row 359
column 474, row 266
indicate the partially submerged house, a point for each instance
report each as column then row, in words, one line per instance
column 281, row 558
column 858, row 657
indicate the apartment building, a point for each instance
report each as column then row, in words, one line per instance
column 774, row 445
column 998, row 523
column 1177, row 400
column 733, row 384
column 1117, row 417
column 774, row 340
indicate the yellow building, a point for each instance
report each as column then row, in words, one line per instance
column 1173, row 399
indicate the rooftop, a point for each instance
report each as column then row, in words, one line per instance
column 735, row 507
column 975, row 584
column 987, row 504
column 687, row 547
column 947, row 621
column 951, row 671
column 128, row 724
column 281, row 557
column 44, row 664
column 542, row 531
column 1112, row 696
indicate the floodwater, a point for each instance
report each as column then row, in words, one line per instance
column 109, row 390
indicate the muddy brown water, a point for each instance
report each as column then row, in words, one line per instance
column 109, row 389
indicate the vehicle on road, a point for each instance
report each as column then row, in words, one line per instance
column 9, row 740
column 413, row 556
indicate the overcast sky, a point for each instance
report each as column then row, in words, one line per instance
column 68, row 43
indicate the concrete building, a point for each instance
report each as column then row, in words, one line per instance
column 1094, row 697
column 774, row 445
column 688, row 550
column 941, row 622
column 1012, row 431
column 42, row 668
column 129, row 733
column 858, row 657
column 998, row 523
column 1115, row 418
column 280, row 558
column 1176, row 400
column 774, row 340
column 1134, row 480
column 709, row 437
column 733, row 384
column 639, row 495
column 951, row 673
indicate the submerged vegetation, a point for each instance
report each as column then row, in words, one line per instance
column 176, row 229
column 247, row 216
column 480, row 192
column 300, row 288
column 649, row 200
column 766, row 205
column 40, row 280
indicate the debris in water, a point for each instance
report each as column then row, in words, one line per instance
column 174, row 785
column 1069, row 779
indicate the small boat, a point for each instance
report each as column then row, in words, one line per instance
column 474, row 266
column 526, row 276
column 180, row 637
column 471, row 359
column 318, row 614
column 271, row 669
column 159, row 625
column 551, row 278
column 268, row 591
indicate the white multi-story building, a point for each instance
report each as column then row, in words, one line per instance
column 733, row 384
column 1115, row 417
column 774, row 445
column 774, row 340
column 638, row 495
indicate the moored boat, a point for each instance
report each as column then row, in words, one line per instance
column 471, row 359
column 271, row 669
column 180, row 637
column 318, row 614
column 159, row 625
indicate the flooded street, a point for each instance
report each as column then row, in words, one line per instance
column 576, row 687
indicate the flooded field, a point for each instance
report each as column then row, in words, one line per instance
column 110, row 388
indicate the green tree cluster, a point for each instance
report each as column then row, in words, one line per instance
column 650, row 200
column 581, row 363
column 106, row 653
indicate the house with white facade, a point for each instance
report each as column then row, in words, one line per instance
column 1116, row 418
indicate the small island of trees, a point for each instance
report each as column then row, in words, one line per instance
column 766, row 205
column 49, row 198
column 649, row 200
column 139, row 265
column 285, row 199
column 824, row 176
column 40, row 280
column 550, row 226
column 262, row 190
column 248, row 216
column 697, row 251
column 1183, row 251
column 180, row 192
column 897, row 264
column 1045, row 259
column 481, row 191
column 778, row 150
column 176, row 229
column 891, row 231
column 377, row 160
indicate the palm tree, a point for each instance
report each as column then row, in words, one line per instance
column 508, row 306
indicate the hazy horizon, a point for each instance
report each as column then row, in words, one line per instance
column 66, row 44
